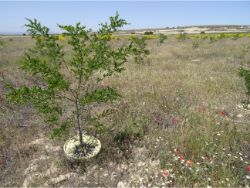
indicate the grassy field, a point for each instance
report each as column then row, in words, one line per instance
column 177, row 123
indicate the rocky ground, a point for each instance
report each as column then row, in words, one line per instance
column 45, row 170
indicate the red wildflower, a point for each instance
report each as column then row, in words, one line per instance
column 176, row 151
column 222, row 113
column 248, row 168
column 189, row 162
column 166, row 173
column 181, row 157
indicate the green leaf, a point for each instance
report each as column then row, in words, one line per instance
column 138, row 49
column 49, row 74
column 58, row 132
column 100, row 95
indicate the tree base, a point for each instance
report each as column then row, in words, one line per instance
column 76, row 152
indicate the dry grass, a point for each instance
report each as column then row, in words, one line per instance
column 172, row 101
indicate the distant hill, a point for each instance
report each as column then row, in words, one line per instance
column 193, row 29
column 176, row 30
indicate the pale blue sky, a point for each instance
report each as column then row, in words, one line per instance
column 141, row 14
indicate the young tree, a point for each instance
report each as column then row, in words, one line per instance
column 71, row 76
column 162, row 38
column 138, row 49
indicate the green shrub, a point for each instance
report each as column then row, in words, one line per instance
column 212, row 38
column 246, row 75
column 138, row 49
column 236, row 36
column 162, row 38
column 2, row 43
column 222, row 35
column 148, row 33
column 182, row 36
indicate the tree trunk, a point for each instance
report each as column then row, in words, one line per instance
column 79, row 122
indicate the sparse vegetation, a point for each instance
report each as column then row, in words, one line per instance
column 196, row 44
column 176, row 125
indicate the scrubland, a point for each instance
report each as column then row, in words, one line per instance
column 176, row 124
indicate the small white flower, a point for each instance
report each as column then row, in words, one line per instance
column 229, row 155
column 248, row 177
column 227, row 179
column 209, row 186
column 235, row 157
column 209, row 179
